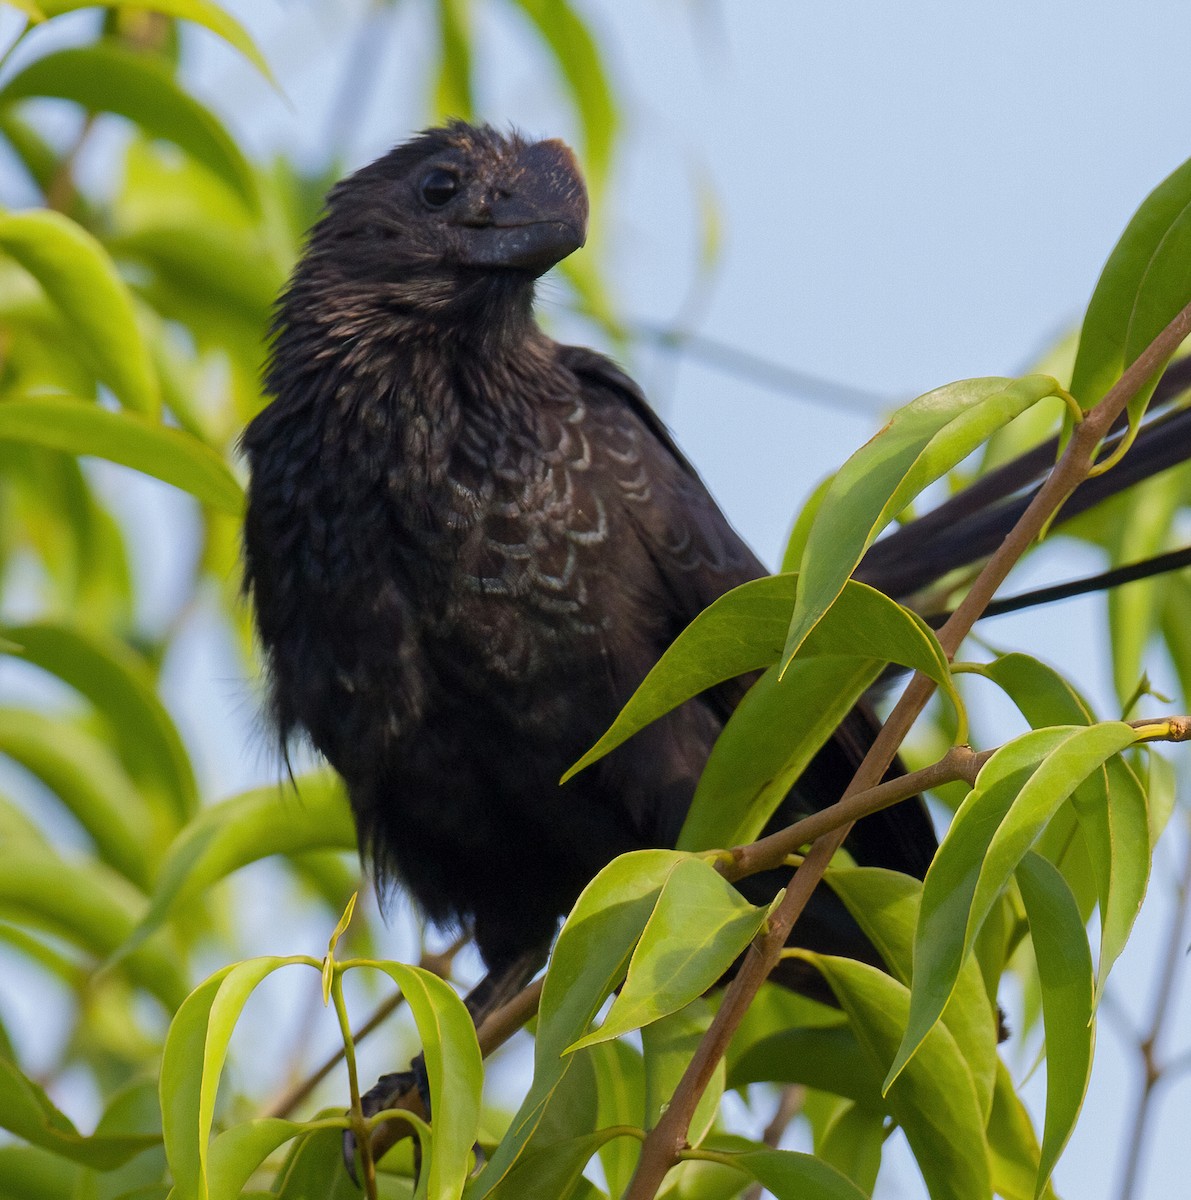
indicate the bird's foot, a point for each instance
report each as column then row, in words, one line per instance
column 390, row 1091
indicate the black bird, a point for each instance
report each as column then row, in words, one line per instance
column 467, row 544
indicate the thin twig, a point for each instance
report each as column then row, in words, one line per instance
column 668, row 1138
column 959, row 763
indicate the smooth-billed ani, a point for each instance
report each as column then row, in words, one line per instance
column 467, row 544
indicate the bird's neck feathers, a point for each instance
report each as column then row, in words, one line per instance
column 390, row 382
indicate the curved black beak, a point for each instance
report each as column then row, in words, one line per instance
column 534, row 220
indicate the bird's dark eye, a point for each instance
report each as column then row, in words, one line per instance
column 439, row 186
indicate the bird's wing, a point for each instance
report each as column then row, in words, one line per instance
column 699, row 556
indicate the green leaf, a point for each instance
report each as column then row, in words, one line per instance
column 921, row 443
column 79, row 427
column 79, row 277
column 195, row 1050
column 26, row 1111
column 89, row 905
column 1141, row 279
column 886, row 904
column 852, row 1144
column 1017, row 792
column 590, row 958
column 790, row 1175
column 313, row 1169
column 454, row 1070
column 236, row 1154
column 698, row 927
column 224, row 837
column 933, row 1099
column 31, row 1173
column 118, row 683
column 552, row 1172
column 743, row 631
column 1068, row 1005
column 620, row 1090
column 202, row 12
column 89, row 781
column 829, row 1059
column 1110, row 805
column 452, row 90
column 668, row 1045
column 577, row 56
column 1012, row 1144
column 784, row 720
column 108, row 77
column 740, row 632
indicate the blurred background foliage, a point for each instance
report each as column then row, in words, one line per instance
column 141, row 248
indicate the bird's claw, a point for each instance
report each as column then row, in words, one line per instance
column 385, row 1093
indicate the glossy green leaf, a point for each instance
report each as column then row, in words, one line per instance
column 79, row 427
column 1068, row 1005
column 829, row 1059
column 784, row 720
column 1126, row 817
column 698, row 927
column 229, row 835
column 590, row 958
column 453, row 1068
column 668, row 1045
column 236, row 1154
column 1110, row 805
column 119, row 684
column 740, row 632
column 885, row 904
column 577, row 56
column 933, row 1099
column 80, row 278
column 107, row 77
column 1012, row 1144
column 88, row 779
column 313, row 1170
column 1017, row 792
column 920, row 444
column 620, row 1090
column 31, row 1173
column 90, row 906
column 1139, row 282
column 852, row 1144
column 803, row 524
column 552, row 1172
column 195, row 1051
column 26, row 1111
column 791, row 1175
column 202, row 12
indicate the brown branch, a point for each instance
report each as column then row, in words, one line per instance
column 661, row 1148
column 959, row 763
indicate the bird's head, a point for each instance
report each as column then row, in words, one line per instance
column 438, row 216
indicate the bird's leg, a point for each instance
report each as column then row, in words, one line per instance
column 398, row 1088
